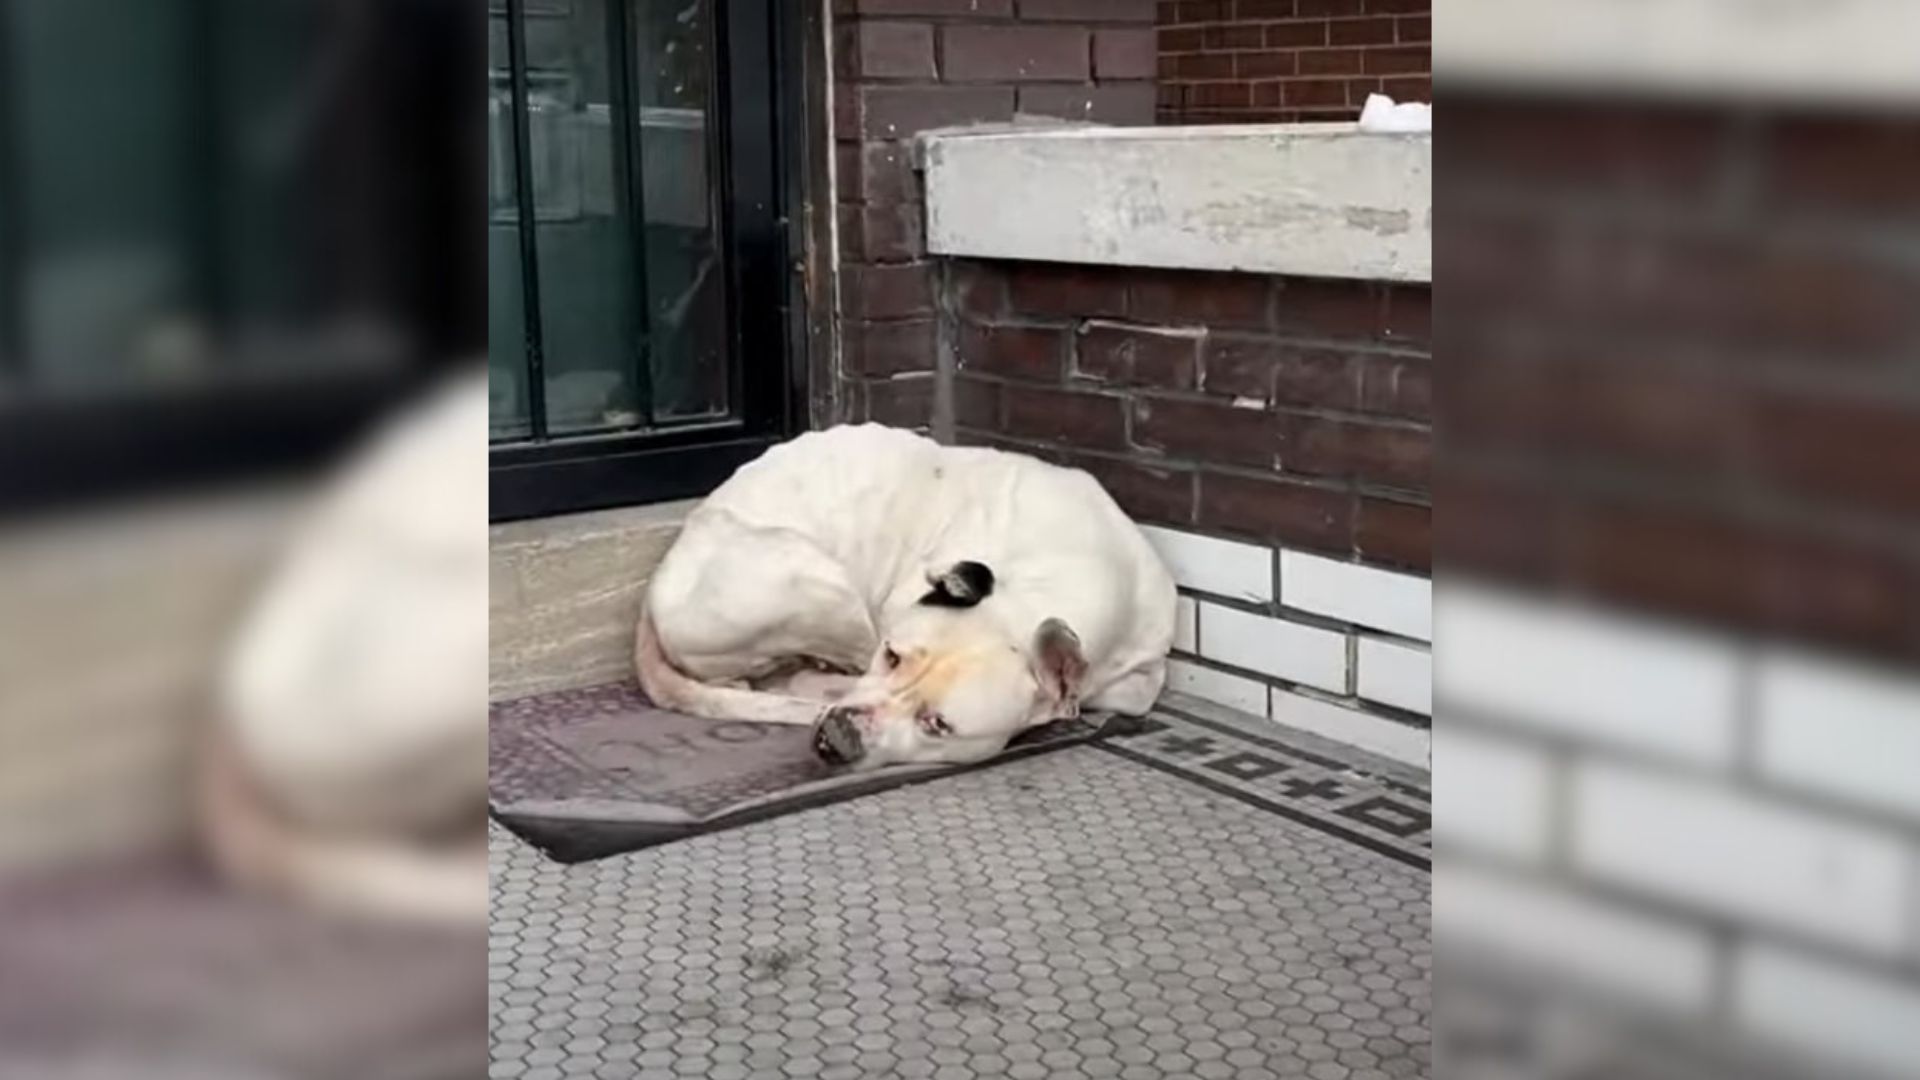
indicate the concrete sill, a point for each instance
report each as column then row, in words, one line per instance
column 1322, row 200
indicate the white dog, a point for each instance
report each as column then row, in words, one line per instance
column 966, row 594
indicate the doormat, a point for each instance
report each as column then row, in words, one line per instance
column 583, row 774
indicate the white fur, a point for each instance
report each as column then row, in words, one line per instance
column 824, row 545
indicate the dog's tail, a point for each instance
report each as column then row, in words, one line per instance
column 669, row 688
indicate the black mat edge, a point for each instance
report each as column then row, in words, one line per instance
column 577, row 840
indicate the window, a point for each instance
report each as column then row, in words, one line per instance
column 638, row 313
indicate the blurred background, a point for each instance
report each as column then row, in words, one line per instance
column 235, row 238
column 1678, row 741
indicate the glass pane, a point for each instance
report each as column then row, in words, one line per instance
column 685, row 286
column 506, row 323
column 631, row 321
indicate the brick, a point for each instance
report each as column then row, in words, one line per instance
column 1294, row 35
column 1125, row 355
column 1263, row 9
column 1856, row 164
column 890, row 50
column 1021, row 352
column 1146, row 492
column 1396, row 386
column 1392, row 456
column 1083, row 420
column 1409, row 318
column 900, row 112
column 1760, row 862
column 1230, row 37
column 890, row 348
column 1182, row 39
column 1120, row 104
column 887, row 174
column 1138, row 11
column 903, row 402
column 1404, row 88
column 1643, row 686
column 1414, row 29
column 1400, row 60
column 892, row 233
column 1207, row 432
column 886, row 292
column 1324, row 308
column 976, row 403
column 1329, row 62
column 1845, row 592
column 1394, row 533
column 1276, row 647
column 1288, row 513
column 1841, row 729
column 1203, row 66
column 980, row 8
column 1265, row 65
column 1014, row 53
column 1498, row 796
column 1222, row 688
column 1315, row 93
column 1359, row 89
column 1509, row 528
column 1390, row 738
column 979, row 290
column 1066, row 290
column 1363, row 595
column 1865, row 453
column 1192, row 11
column 1220, row 95
column 1213, row 564
column 1571, row 935
column 1277, row 372
column 1851, row 1017
column 1188, row 297
column 1373, row 31
column 1394, row 674
column 1306, row 8
column 1124, row 54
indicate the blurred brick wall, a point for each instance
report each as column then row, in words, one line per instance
column 1683, row 347
column 1292, row 411
column 1256, row 61
column 905, row 66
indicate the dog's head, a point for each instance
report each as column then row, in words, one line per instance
column 950, row 686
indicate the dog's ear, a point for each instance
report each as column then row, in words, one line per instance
column 1060, row 666
column 961, row 585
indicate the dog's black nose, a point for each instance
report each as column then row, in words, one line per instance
column 836, row 738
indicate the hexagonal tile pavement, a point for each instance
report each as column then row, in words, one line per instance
column 1074, row 915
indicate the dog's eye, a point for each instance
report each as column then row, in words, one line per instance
column 933, row 723
column 890, row 658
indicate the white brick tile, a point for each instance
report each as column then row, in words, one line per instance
column 1286, row 650
column 1575, row 937
column 1848, row 732
column 1184, row 618
column 1205, row 683
column 1763, row 862
column 1494, row 794
column 1396, row 674
column 1210, row 564
column 1630, row 683
column 1863, row 1019
column 1377, row 734
column 1398, row 603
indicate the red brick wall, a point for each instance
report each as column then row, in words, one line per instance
column 904, row 66
column 1252, row 61
column 1289, row 410
column 1681, row 346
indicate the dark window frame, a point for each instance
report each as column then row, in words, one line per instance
column 759, row 119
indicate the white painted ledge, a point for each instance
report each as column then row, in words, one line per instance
column 1858, row 52
column 1320, row 200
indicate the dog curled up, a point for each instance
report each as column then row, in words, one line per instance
column 913, row 602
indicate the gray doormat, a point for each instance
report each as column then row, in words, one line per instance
column 583, row 774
